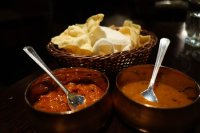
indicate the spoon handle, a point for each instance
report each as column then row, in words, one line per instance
column 33, row 54
column 164, row 43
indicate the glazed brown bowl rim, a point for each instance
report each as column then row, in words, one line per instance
column 155, row 107
column 66, row 112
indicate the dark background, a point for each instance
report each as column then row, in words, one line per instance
column 34, row 22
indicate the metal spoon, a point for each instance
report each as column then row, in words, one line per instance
column 73, row 99
column 149, row 93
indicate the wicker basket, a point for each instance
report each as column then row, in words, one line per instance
column 109, row 64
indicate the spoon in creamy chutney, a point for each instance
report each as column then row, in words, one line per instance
column 73, row 99
column 149, row 93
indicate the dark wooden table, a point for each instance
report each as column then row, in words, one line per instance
column 13, row 111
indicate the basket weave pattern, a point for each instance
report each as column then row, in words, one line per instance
column 111, row 63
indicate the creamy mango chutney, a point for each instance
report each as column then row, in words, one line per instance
column 168, row 96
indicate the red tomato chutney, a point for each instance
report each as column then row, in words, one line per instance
column 45, row 95
column 56, row 101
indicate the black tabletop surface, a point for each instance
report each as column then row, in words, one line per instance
column 13, row 111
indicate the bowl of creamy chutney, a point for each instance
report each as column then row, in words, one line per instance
column 178, row 99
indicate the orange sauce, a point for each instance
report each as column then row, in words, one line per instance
column 168, row 97
column 56, row 101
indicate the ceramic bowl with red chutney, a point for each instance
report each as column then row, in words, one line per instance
column 48, row 105
column 178, row 106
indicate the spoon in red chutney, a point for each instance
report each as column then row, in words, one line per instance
column 73, row 99
column 149, row 93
